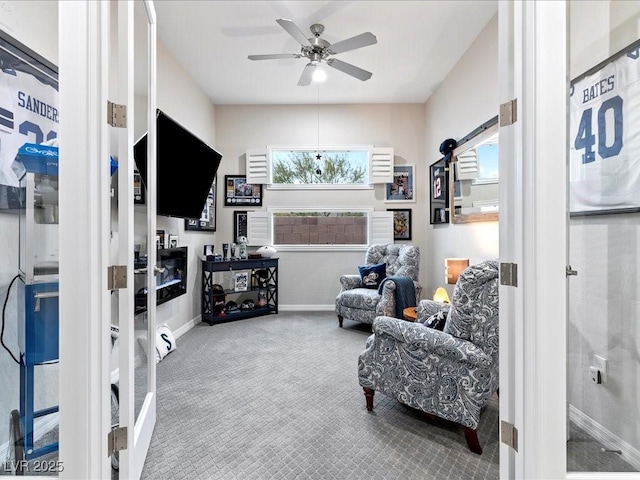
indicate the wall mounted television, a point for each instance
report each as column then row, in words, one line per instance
column 186, row 168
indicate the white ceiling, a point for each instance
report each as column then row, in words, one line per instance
column 418, row 44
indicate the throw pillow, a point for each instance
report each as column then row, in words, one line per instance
column 372, row 275
column 437, row 320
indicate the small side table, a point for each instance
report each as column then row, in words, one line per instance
column 410, row 314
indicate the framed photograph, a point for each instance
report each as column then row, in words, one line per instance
column 207, row 220
column 401, row 223
column 439, row 192
column 604, row 137
column 240, row 193
column 403, row 188
column 241, row 281
column 239, row 225
column 29, row 113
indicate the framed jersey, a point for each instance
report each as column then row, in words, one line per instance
column 28, row 111
column 604, row 137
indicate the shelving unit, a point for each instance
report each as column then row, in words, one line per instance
column 213, row 273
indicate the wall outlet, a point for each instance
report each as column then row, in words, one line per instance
column 601, row 364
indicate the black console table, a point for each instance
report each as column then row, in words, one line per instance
column 260, row 285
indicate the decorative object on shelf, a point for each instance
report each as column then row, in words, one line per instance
column 209, row 252
column 267, row 251
column 262, row 298
column 239, row 225
column 401, row 223
column 207, row 220
column 239, row 192
column 242, row 247
column 233, row 248
column 260, row 278
column 403, row 187
column 225, row 252
column 453, row 269
column 604, row 135
column 441, row 295
column 247, row 304
column 241, row 281
column 439, row 206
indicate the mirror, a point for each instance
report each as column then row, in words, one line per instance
column 474, row 176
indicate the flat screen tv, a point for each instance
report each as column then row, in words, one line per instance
column 186, row 168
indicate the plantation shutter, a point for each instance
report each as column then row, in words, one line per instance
column 381, row 165
column 380, row 227
column 258, row 228
column 468, row 168
column 256, row 166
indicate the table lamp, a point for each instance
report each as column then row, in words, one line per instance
column 441, row 295
column 453, row 269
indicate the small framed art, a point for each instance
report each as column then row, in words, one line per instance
column 207, row 220
column 439, row 192
column 403, row 188
column 239, row 225
column 240, row 193
column 401, row 223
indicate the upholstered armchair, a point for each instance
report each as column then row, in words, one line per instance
column 355, row 302
column 451, row 373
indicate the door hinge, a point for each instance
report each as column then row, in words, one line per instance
column 569, row 271
column 509, row 274
column 509, row 113
column 116, row 115
column 116, row 440
column 509, row 434
column 117, row 277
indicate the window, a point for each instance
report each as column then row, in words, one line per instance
column 487, row 154
column 324, row 166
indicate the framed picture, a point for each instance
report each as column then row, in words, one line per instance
column 401, row 223
column 241, row 281
column 403, row 188
column 207, row 220
column 29, row 113
column 439, row 192
column 604, row 137
column 239, row 225
column 240, row 193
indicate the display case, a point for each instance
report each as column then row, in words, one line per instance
column 237, row 289
column 171, row 277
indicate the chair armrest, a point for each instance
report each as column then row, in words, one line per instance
column 350, row 282
column 426, row 308
column 431, row 341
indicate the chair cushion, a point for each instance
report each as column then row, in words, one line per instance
column 437, row 320
column 362, row 298
column 372, row 275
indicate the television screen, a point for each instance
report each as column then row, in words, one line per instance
column 186, row 168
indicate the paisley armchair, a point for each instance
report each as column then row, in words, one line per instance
column 451, row 373
column 355, row 302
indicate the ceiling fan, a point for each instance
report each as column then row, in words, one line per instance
column 317, row 49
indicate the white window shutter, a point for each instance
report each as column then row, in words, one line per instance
column 258, row 228
column 468, row 168
column 381, row 165
column 256, row 166
column 380, row 227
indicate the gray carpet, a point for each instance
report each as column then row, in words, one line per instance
column 277, row 397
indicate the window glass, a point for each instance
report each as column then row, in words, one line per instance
column 320, row 167
column 320, row 228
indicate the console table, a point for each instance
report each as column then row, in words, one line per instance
column 259, row 285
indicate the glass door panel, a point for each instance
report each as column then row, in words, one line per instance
column 603, row 379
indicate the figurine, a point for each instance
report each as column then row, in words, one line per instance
column 242, row 247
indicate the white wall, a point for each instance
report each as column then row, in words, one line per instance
column 604, row 307
column 466, row 98
column 308, row 279
column 40, row 34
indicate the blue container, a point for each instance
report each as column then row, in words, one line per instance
column 38, row 333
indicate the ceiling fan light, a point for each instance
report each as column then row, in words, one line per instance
column 319, row 75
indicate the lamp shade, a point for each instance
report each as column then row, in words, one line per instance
column 453, row 269
column 441, row 295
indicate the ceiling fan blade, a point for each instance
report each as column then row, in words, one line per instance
column 359, row 41
column 349, row 69
column 274, row 56
column 293, row 30
column 307, row 74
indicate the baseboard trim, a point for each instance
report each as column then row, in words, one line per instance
column 41, row 426
column 629, row 454
column 306, row 308
column 187, row 326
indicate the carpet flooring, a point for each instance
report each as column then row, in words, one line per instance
column 277, row 397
